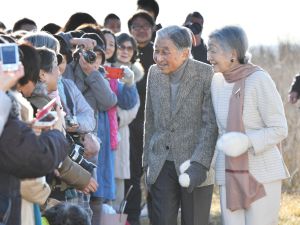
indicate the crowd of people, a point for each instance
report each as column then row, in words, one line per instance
column 156, row 101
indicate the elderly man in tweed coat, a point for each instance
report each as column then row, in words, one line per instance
column 179, row 125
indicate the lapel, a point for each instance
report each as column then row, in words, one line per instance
column 186, row 85
column 164, row 96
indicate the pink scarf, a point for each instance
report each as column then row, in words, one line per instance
column 112, row 117
column 241, row 187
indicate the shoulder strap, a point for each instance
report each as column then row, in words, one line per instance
column 69, row 102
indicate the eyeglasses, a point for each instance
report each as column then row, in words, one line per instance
column 140, row 27
column 123, row 48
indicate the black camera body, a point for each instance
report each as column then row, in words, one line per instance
column 196, row 28
column 89, row 55
column 77, row 151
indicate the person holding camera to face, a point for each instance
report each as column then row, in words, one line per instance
column 194, row 21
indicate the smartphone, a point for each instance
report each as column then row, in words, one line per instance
column 9, row 56
column 114, row 72
column 47, row 120
column 46, row 109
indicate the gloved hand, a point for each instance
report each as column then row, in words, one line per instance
column 194, row 176
column 234, row 144
column 128, row 76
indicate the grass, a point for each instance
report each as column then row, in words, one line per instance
column 289, row 212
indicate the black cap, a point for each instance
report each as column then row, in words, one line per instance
column 100, row 47
column 141, row 13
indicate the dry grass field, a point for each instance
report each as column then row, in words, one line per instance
column 282, row 63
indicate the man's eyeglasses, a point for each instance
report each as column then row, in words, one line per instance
column 140, row 27
column 123, row 48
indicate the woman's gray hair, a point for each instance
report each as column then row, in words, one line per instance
column 42, row 39
column 233, row 38
column 179, row 35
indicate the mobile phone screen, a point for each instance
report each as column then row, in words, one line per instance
column 49, row 117
column 113, row 72
column 46, row 109
column 9, row 55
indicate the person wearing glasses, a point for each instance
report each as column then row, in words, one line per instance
column 126, row 56
column 141, row 27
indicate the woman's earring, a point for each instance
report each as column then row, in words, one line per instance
column 232, row 60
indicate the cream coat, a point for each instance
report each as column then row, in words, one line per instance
column 264, row 121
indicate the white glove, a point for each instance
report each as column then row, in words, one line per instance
column 234, row 144
column 191, row 175
column 184, row 178
column 128, row 76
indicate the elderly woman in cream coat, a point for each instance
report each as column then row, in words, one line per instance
column 251, row 121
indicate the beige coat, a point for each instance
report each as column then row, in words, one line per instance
column 264, row 121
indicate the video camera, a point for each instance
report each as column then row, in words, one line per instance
column 196, row 28
column 77, row 151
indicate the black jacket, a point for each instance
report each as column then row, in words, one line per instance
column 295, row 86
column 25, row 155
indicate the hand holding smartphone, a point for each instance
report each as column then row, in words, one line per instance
column 114, row 72
column 45, row 117
column 9, row 56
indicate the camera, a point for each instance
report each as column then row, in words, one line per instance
column 89, row 55
column 77, row 151
column 9, row 55
column 71, row 121
column 196, row 28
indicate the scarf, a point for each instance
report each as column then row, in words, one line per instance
column 241, row 187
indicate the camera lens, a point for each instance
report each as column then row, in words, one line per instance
column 89, row 56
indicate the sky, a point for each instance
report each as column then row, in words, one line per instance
column 266, row 22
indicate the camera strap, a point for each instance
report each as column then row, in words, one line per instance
column 69, row 100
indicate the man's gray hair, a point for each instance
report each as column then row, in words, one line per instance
column 179, row 35
column 233, row 38
column 42, row 39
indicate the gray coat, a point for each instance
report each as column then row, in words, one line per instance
column 190, row 132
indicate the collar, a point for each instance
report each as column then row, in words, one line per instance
column 176, row 76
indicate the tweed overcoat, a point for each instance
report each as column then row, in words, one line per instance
column 190, row 131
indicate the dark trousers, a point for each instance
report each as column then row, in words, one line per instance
column 96, row 206
column 133, row 206
column 168, row 196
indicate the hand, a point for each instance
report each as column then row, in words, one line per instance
column 91, row 187
column 88, row 43
column 73, row 128
column 128, row 76
column 194, row 176
column 9, row 78
column 91, row 145
column 234, row 144
column 86, row 67
column 293, row 97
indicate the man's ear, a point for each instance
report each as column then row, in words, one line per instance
column 193, row 39
column 42, row 75
column 234, row 54
column 186, row 53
